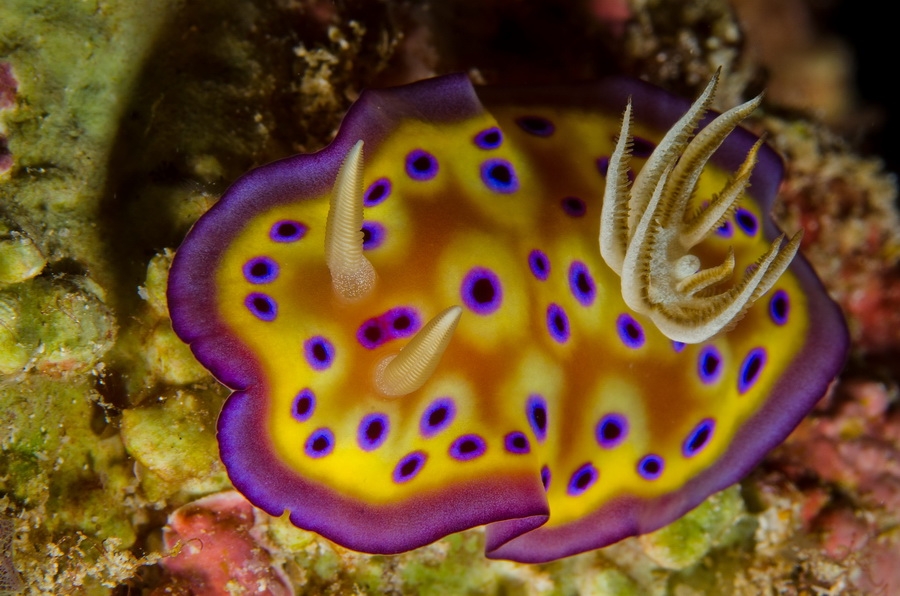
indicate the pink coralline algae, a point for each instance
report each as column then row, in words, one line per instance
column 216, row 550
column 8, row 88
column 854, row 448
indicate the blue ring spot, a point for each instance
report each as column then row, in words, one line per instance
column 539, row 264
column 582, row 479
column 536, row 125
column 650, row 467
column 746, row 221
column 499, row 176
column 545, row 477
column 373, row 235
column 779, row 307
column 421, row 165
column 581, row 282
column 438, row 416
column 726, row 230
column 678, row 346
column 260, row 270
column 516, row 442
column 319, row 352
column 373, row 431
column 377, row 192
column 467, row 447
column 372, row 333
column 403, row 321
column 612, row 430
column 558, row 323
column 409, row 466
column 481, row 291
column 489, row 138
column 573, row 206
column 287, row 230
column 709, row 364
column 751, row 368
column 320, row 443
column 630, row 331
column 261, row 306
column 698, row 438
column 304, row 405
column 536, row 412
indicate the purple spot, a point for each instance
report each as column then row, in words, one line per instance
column 467, row 447
column 746, row 221
column 499, row 176
column 287, row 230
column 489, row 138
column 516, row 442
column 539, row 264
column 409, row 466
column 304, row 405
column 437, row 417
column 319, row 352
column 573, row 206
column 421, row 165
column 377, row 192
column 726, row 230
column 545, row 477
column 320, row 443
column 650, row 467
column 481, row 291
column 698, row 438
column 370, row 334
column 558, row 323
column 603, row 165
column 373, row 235
column 611, row 430
column 403, row 321
column 751, row 367
column 373, row 431
column 584, row 478
column 779, row 307
column 641, row 147
column 678, row 346
column 536, row 125
column 260, row 270
column 709, row 364
column 261, row 306
column 536, row 411
column 582, row 283
column 630, row 331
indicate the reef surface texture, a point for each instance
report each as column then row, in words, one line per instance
column 121, row 122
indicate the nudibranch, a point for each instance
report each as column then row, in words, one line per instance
column 508, row 307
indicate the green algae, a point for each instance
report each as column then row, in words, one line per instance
column 20, row 258
column 174, row 443
column 54, row 325
column 75, row 63
column 687, row 540
column 52, row 453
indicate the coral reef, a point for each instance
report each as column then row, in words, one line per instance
column 121, row 122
